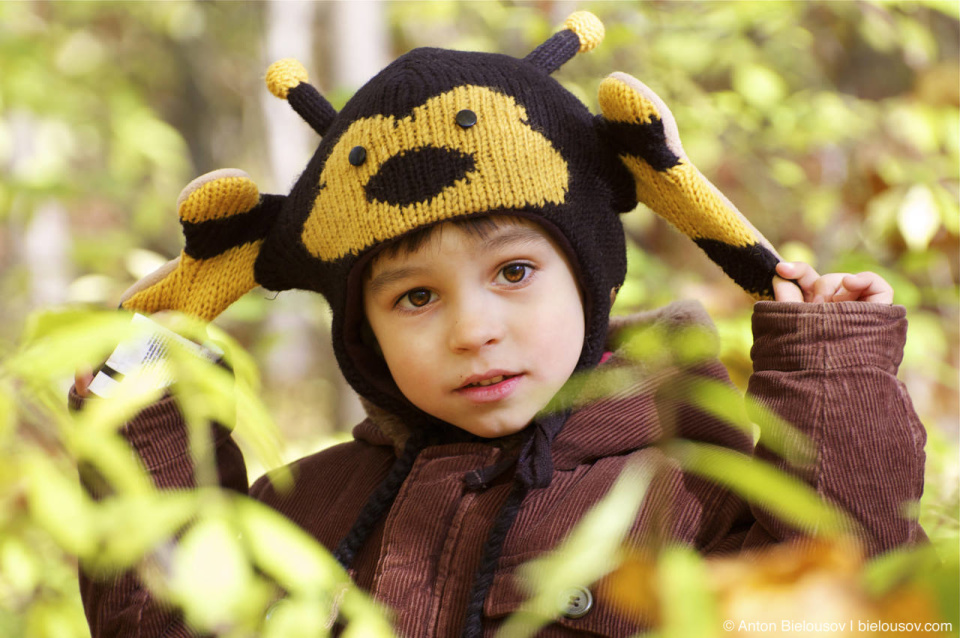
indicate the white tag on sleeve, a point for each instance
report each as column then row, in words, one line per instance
column 146, row 349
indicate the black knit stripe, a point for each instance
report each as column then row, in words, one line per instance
column 216, row 236
column 473, row 624
column 556, row 51
column 312, row 107
column 646, row 140
column 418, row 175
column 378, row 503
column 752, row 267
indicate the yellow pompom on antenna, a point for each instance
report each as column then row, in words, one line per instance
column 284, row 75
column 587, row 27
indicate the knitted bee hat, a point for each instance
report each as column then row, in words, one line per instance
column 440, row 135
column 437, row 136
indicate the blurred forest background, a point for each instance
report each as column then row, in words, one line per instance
column 834, row 127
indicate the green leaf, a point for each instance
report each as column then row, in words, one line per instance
column 787, row 172
column 208, row 392
column 19, row 567
column 306, row 570
column 211, row 577
column 726, row 403
column 688, row 606
column 133, row 526
column 932, row 568
column 784, row 496
column 659, row 346
column 590, row 551
column 295, row 618
column 366, row 618
column 759, row 85
column 112, row 457
column 8, row 411
column 890, row 570
column 56, row 618
column 56, row 343
column 59, row 505
column 287, row 553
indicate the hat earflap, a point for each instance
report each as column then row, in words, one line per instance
column 224, row 219
column 643, row 132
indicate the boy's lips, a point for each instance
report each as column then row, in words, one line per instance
column 487, row 378
column 489, row 386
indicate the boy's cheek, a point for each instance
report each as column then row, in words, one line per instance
column 412, row 367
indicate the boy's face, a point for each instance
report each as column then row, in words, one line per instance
column 480, row 332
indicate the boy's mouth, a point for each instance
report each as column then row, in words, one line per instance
column 490, row 387
column 483, row 384
column 482, row 381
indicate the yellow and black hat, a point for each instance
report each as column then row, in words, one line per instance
column 440, row 135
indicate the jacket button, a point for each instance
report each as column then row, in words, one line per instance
column 576, row 602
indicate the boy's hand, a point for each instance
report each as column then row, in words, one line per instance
column 808, row 286
column 82, row 381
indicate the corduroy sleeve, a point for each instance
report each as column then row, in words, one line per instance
column 830, row 370
column 122, row 606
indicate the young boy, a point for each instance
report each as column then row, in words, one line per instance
column 461, row 216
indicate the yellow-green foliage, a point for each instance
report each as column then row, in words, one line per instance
column 834, row 127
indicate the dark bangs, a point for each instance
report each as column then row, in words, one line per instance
column 479, row 226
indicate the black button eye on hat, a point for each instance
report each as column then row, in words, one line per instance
column 466, row 118
column 358, row 155
column 410, row 138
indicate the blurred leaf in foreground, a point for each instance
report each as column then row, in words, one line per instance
column 785, row 496
column 793, row 589
column 590, row 551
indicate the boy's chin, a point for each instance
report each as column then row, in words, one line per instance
column 493, row 430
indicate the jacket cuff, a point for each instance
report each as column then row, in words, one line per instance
column 791, row 336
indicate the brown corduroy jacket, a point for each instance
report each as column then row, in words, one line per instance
column 829, row 369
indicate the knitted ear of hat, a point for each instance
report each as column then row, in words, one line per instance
column 224, row 219
column 644, row 133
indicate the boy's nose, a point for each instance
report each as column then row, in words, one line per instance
column 474, row 329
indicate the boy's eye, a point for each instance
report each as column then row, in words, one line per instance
column 418, row 298
column 514, row 273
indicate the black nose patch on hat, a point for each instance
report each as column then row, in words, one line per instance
column 418, row 175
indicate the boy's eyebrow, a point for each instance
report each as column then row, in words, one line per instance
column 387, row 277
column 512, row 235
column 508, row 236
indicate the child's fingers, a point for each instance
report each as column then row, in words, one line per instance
column 807, row 285
column 851, row 288
column 826, row 288
column 867, row 286
column 802, row 273
column 786, row 290
column 82, row 380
